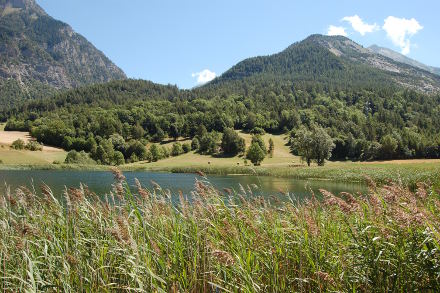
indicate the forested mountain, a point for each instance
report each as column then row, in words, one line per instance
column 335, row 62
column 39, row 55
column 403, row 59
column 371, row 106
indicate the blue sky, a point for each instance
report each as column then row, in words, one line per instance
column 184, row 42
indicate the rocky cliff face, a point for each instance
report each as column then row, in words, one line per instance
column 37, row 50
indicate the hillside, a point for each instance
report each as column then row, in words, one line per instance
column 403, row 59
column 371, row 106
column 39, row 55
column 332, row 61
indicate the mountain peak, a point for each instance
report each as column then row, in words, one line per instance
column 334, row 61
column 40, row 54
column 11, row 6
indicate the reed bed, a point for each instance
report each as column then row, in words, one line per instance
column 213, row 241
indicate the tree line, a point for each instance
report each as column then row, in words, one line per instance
column 127, row 116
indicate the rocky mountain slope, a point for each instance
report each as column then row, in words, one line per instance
column 39, row 54
column 403, row 59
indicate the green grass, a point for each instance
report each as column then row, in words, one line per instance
column 386, row 241
column 408, row 173
column 24, row 157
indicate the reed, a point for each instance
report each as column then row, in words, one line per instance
column 144, row 240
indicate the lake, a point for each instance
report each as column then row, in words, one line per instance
column 100, row 182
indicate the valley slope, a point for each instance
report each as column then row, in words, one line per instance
column 39, row 55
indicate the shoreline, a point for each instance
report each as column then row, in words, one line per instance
column 380, row 173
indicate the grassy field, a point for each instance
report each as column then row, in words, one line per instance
column 284, row 164
column 281, row 158
column 386, row 241
column 9, row 156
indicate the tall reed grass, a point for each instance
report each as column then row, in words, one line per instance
column 215, row 241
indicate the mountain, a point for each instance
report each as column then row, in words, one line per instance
column 403, row 59
column 333, row 62
column 39, row 54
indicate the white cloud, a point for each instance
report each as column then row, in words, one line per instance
column 204, row 76
column 399, row 30
column 360, row 26
column 336, row 31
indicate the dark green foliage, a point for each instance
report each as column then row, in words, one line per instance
column 177, row 149
column 74, row 157
column 389, row 146
column 186, row 147
column 313, row 145
column 156, row 153
column 209, row 143
column 257, row 131
column 259, row 140
column 195, row 144
column 255, row 154
column 232, row 143
column 271, row 147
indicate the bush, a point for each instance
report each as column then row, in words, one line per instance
column 195, row 144
column 257, row 131
column 74, row 157
column 34, row 146
column 186, row 147
column 177, row 149
column 232, row 143
column 18, row 144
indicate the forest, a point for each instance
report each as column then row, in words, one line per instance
column 124, row 116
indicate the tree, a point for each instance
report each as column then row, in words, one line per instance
column 389, row 146
column 271, row 147
column 137, row 132
column 313, row 145
column 255, row 154
column 232, row 143
column 176, row 149
column 208, row 143
column 195, row 144
column 186, row 147
column 74, row 157
column 174, row 131
column 136, row 147
column 118, row 158
column 258, row 139
column 156, row 153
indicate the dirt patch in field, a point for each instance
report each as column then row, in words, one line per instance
column 8, row 137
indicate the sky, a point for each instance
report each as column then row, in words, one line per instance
column 189, row 42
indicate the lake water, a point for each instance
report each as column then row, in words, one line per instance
column 100, row 182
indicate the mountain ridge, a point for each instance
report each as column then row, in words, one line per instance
column 403, row 59
column 333, row 61
column 39, row 52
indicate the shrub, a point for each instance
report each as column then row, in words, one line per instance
column 34, row 146
column 18, row 144
column 257, row 131
column 177, row 149
column 74, row 157
column 195, row 144
column 186, row 147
